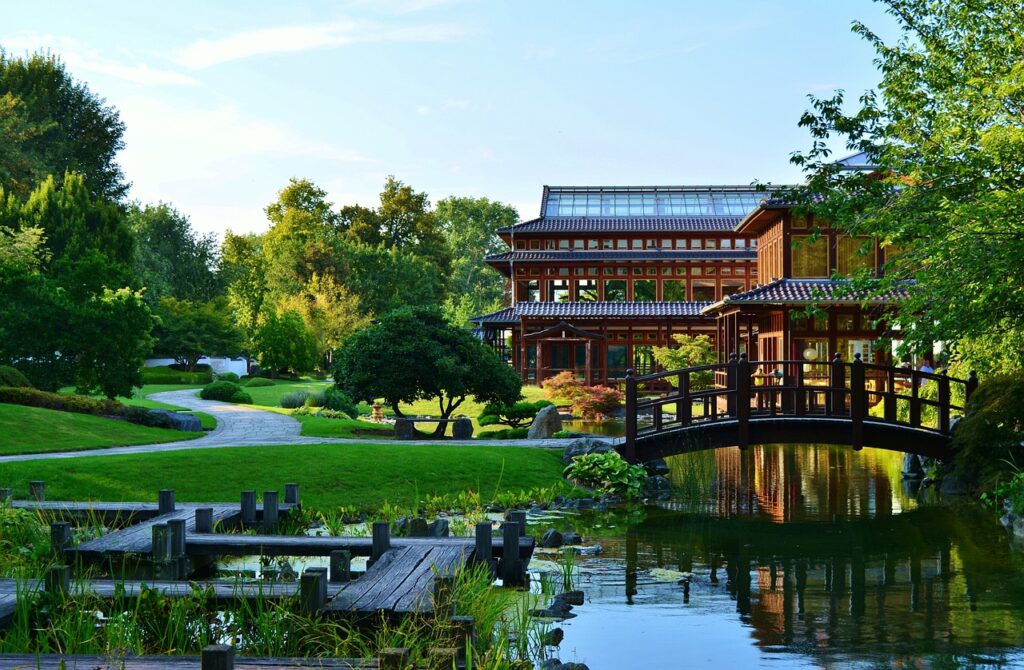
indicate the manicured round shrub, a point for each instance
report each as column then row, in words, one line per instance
column 224, row 391
column 315, row 399
column 241, row 397
column 293, row 400
column 337, row 400
column 257, row 382
column 227, row 377
column 13, row 377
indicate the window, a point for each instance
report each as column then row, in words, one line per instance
column 621, row 244
column 616, row 360
column 645, row 290
column 534, row 272
column 643, row 358
column 622, row 272
column 703, row 290
column 731, row 287
column 810, row 258
column 526, row 291
column 520, row 244
column 563, row 244
column 680, row 244
column 579, row 272
column 592, row 272
column 796, row 221
column 727, row 244
column 549, row 244
column 740, row 271
column 680, row 271
column 615, row 290
column 666, row 244
column 609, row 271
column 535, row 244
column 674, row 289
column 652, row 244
column 636, row 244
column 607, row 244
column 696, row 271
column 591, row 244
column 577, row 244
column 558, row 290
column 845, row 322
column 855, row 254
column 695, row 244
column 710, row 244
column 726, row 270
column 563, row 272
column 586, row 290
column 652, row 271
column 638, row 271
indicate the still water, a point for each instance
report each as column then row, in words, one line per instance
column 800, row 556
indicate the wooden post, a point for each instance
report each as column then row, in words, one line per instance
column 204, row 519
column 161, row 550
column 37, row 491
column 291, row 494
column 730, row 385
column 311, row 592
column 217, row 657
column 248, row 505
column 466, row 628
column 176, row 531
column 837, row 381
column 58, row 579
column 915, row 399
column 970, row 387
column 341, row 566
column 858, row 402
column 394, row 658
column 381, row 539
column 684, row 408
column 165, row 503
column 270, row 510
column 484, row 544
column 510, row 567
column 943, row 400
column 743, row 401
column 444, row 595
column 519, row 516
column 60, row 538
column 890, row 396
column 631, row 455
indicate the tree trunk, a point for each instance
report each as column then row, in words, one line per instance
column 398, row 412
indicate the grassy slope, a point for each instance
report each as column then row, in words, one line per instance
column 31, row 430
column 357, row 475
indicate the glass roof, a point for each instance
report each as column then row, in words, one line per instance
column 637, row 202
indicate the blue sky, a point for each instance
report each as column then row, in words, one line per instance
column 225, row 102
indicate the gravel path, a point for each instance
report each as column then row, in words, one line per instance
column 243, row 426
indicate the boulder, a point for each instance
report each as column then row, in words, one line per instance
column 551, row 539
column 585, row 445
column 418, row 527
column 462, row 429
column 189, row 423
column 571, row 538
column 438, row 528
column 545, row 424
column 552, row 638
column 657, row 487
column 912, row 467
column 404, row 429
column 571, row 597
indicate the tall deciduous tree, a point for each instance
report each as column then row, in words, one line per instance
column 413, row 354
column 244, row 269
column 331, row 313
column 190, row 330
column 171, row 259
column 282, row 342
column 946, row 131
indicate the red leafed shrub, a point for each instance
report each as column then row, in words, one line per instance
column 596, row 402
column 564, row 386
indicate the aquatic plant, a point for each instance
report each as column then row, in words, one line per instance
column 607, row 473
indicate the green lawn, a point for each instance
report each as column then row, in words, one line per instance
column 318, row 426
column 140, row 398
column 270, row 396
column 31, row 430
column 353, row 475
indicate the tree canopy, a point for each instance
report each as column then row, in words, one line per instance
column 171, row 259
column 189, row 330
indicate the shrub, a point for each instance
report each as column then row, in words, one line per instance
column 227, row 377
column 337, row 400
column 241, row 397
column 145, row 417
column 314, row 399
column 988, row 439
column 78, row 404
column 563, row 386
column 566, row 434
column 258, row 382
column 293, row 400
column 607, row 473
column 519, row 414
column 597, row 401
column 689, row 352
column 223, row 391
column 13, row 377
column 506, row 434
column 169, row 374
column 321, row 412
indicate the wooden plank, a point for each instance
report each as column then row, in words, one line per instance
column 115, row 511
column 109, row 662
column 138, row 539
column 382, row 577
column 419, row 589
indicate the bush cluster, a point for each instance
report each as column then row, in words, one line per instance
column 608, row 473
column 293, row 400
column 506, row 434
column 145, row 417
column 13, row 377
column 62, row 402
column 520, row 414
column 989, row 438
column 337, row 400
column 171, row 374
column 225, row 392
column 321, row 412
column 227, row 377
column 258, row 382
column 589, row 402
column 329, row 398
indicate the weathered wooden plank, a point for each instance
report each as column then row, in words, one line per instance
column 216, row 544
column 138, row 539
column 418, row 590
column 123, row 512
column 85, row 662
column 381, row 585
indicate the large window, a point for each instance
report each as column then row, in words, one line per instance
column 704, row 290
column 810, row 258
column 586, row 290
column 643, row 359
column 855, row 254
column 615, row 290
column 628, row 202
column 674, row 289
column 645, row 290
column 616, row 360
column 558, row 290
column 526, row 291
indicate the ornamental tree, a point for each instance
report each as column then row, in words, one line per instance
column 414, row 354
column 190, row 330
column 282, row 342
column 689, row 352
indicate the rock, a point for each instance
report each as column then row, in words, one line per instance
column 556, row 610
column 438, row 528
column 584, row 503
column 912, row 467
column 494, row 508
column 462, row 429
column 551, row 663
column 573, row 666
column 552, row 638
column 657, row 467
column 418, row 527
column 401, row 525
column 189, row 423
column 545, row 424
column 551, row 539
column 404, row 429
column 592, row 550
column 571, row 538
column 611, row 499
column 585, row 445
column 570, row 597
column 657, row 487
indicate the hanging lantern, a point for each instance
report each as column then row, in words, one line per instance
column 810, row 353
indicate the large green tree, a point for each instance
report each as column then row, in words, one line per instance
column 171, row 259
column 189, row 330
column 413, row 354
column 58, row 126
column 282, row 342
column 244, row 270
column 945, row 130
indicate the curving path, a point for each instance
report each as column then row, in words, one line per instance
column 247, row 426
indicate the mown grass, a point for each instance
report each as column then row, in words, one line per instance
column 270, row 396
column 32, row 430
column 318, row 426
column 358, row 476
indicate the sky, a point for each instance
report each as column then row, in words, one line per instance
column 225, row 102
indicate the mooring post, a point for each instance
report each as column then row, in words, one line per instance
column 394, row 658
column 58, row 579
column 204, row 519
column 943, row 400
column 311, row 593
column 466, row 629
column 519, row 516
column 60, row 538
column 858, row 402
column 37, row 490
column 837, row 382
column 291, row 494
column 743, row 401
column 381, row 539
column 248, row 508
column 444, row 595
column 630, row 446
column 176, row 530
column 270, row 510
column 484, row 545
column 341, row 565
column 510, row 567
column 165, row 504
column 217, row 657
column 160, row 554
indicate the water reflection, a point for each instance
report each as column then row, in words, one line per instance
column 818, row 555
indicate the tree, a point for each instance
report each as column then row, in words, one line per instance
column 412, row 354
column 302, row 240
column 689, row 352
column 388, row 279
column 331, row 313
column 244, row 271
column 189, row 330
column 516, row 415
column 468, row 226
column 171, row 259
column 58, row 127
column 946, row 131
column 281, row 342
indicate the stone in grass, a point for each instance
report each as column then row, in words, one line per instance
column 545, row 424
column 404, row 429
column 571, row 538
column 183, row 421
column 585, row 445
column 551, row 539
column 462, row 429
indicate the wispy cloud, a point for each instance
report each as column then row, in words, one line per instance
column 293, row 39
column 83, row 58
column 423, row 110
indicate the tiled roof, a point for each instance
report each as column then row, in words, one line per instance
column 625, row 224
column 807, row 291
column 626, row 255
column 592, row 310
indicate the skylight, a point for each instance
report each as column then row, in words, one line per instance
column 704, row 202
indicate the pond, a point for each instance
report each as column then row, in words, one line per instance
column 803, row 556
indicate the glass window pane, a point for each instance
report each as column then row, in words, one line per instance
column 645, row 290
column 810, row 259
column 615, row 290
column 854, row 254
column 674, row 289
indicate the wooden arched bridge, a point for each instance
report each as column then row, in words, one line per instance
column 743, row 402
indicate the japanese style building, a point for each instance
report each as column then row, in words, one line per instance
column 605, row 274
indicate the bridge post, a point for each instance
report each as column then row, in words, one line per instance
column 858, row 402
column 630, row 417
column 943, row 399
column 970, row 387
column 742, row 372
column 730, row 385
column 837, row 382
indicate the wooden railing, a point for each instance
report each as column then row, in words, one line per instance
column 741, row 390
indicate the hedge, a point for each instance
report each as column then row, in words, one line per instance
column 78, row 404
